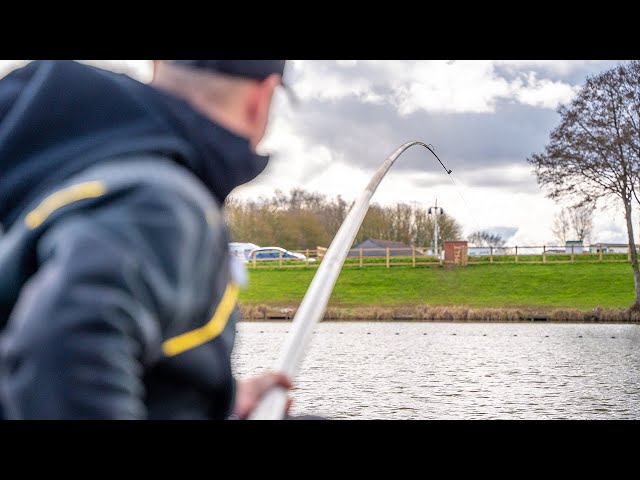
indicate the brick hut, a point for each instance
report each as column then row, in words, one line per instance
column 455, row 252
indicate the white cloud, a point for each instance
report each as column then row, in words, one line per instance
column 561, row 67
column 440, row 86
column 609, row 225
column 328, row 81
column 433, row 86
column 545, row 93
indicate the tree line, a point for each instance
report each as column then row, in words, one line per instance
column 299, row 220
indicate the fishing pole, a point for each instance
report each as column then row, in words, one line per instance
column 313, row 305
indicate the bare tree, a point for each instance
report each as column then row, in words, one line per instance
column 423, row 227
column 482, row 238
column 573, row 223
column 582, row 221
column 561, row 226
column 376, row 224
column 402, row 223
column 595, row 150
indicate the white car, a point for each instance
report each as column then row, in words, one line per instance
column 265, row 254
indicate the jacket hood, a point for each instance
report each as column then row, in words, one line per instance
column 58, row 117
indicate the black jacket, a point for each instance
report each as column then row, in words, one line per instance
column 116, row 299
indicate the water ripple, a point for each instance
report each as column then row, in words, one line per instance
column 484, row 371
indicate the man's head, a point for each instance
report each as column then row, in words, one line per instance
column 236, row 94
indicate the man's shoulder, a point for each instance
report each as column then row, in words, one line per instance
column 157, row 176
column 158, row 182
column 151, row 171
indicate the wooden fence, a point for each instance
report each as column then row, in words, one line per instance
column 414, row 257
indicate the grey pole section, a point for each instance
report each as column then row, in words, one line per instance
column 435, row 228
column 314, row 303
column 435, row 211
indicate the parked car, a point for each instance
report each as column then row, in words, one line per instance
column 242, row 250
column 265, row 254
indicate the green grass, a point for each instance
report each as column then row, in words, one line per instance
column 570, row 285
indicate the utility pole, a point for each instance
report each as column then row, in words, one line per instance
column 435, row 211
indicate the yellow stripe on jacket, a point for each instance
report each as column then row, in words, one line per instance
column 61, row 198
column 209, row 331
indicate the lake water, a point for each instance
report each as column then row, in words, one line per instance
column 399, row 370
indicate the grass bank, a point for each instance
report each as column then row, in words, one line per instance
column 494, row 292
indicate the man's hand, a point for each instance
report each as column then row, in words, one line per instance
column 250, row 391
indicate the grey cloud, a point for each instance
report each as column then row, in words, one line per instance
column 575, row 75
column 482, row 179
column 610, row 232
column 501, row 177
column 366, row 133
column 505, row 232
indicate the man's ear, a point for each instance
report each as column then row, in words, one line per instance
column 263, row 97
column 260, row 104
column 155, row 69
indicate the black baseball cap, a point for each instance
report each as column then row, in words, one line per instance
column 254, row 69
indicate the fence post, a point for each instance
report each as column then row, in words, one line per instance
column 490, row 253
column 600, row 252
column 279, row 259
column 544, row 254
column 254, row 260
column 573, row 258
column 307, row 257
column 360, row 256
column 413, row 255
column 387, row 257
column 516, row 254
column 440, row 256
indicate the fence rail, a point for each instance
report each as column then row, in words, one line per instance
column 415, row 256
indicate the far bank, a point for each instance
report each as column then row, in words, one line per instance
column 595, row 292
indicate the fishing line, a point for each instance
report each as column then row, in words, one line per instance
column 552, row 355
column 473, row 218
column 466, row 204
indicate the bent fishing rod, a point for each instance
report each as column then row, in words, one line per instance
column 314, row 303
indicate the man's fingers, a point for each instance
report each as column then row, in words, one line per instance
column 272, row 379
column 282, row 380
column 250, row 391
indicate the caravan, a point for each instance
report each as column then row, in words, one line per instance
column 242, row 250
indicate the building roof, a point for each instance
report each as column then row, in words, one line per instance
column 621, row 245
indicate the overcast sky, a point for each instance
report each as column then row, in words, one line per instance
column 484, row 119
